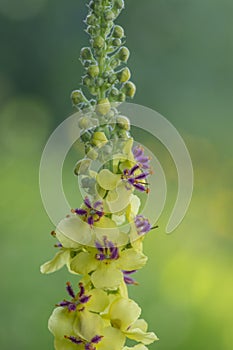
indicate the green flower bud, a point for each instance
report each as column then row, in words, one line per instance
column 124, row 75
column 92, row 153
column 116, row 42
column 123, row 54
column 86, row 53
column 113, row 94
column 103, row 106
column 123, row 122
column 82, row 167
column 87, row 81
column 93, row 90
column 99, row 138
column 93, row 71
column 98, row 42
column 109, row 16
column 129, row 89
column 121, row 97
column 99, row 82
column 86, row 136
column 77, row 97
column 84, row 122
column 112, row 78
column 115, row 63
column 118, row 32
column 123, row 134
column 91, row 20
column 119, row 4
column 92, row 30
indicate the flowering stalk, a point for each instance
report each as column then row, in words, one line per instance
column 102, row 240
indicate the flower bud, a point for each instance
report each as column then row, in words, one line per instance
column 119, row 4
column 84, row 122
column 124, row 75
column 129, row 89
column 118, row 32
column 77, row 97
column 86, row 53
column 98, row 42
column 123, row 122
column 99, row 138
column 91, row 20
column 92, row 153
column 87, row 81
column 82, row 167
column 112, row 78
column 109, row 16
column 103, row 106
column 115, row 63
column 121, row 97
column 123, row 54
column 116, row 42
column 93, row 90
column 86, row 136
column 99, row 82
column 92, row 31
column 93, row 71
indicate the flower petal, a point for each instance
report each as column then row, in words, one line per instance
column 72, row 232
column 113, row 339
column 87, row 325
column 118, row 199
column 83, row 263
column 107, row 180
column 141, row 336
column 123, row 313
column 61, row 258
column 107, row 276
column 131, row 259
column 98, row 301
column 61, row 322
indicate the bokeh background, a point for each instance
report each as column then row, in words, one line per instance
column 182, row 63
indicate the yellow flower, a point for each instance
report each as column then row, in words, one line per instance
column 106, row 262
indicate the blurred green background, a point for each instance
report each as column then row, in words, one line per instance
column 182, row 63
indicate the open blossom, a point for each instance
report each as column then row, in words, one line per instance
column 135, row 180
column 106, row 262
column 90, row 212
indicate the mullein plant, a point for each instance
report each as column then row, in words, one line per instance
column 102, row 240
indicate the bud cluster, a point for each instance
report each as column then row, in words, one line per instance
column 106, row 78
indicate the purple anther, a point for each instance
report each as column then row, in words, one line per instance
column 142, row 224
column 70, row 290
column 96, row 339
column 74, row 340
column 81, row 212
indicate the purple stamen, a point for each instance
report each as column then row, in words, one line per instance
column 84, row 299
column 108, row 251
column 70, row 290
column 127, row 279
column 133, row 169
column 96, row 339
column 82, row 290
column 87, row 202
column 99, row 247
column 90, row 220
column 81, row 212
column 114, row 253
column 142, row 224
column 141, row 158
column 74, row 340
